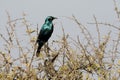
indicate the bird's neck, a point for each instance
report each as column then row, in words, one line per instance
column 48, row 23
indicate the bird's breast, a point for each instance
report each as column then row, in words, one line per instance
column 48, row 27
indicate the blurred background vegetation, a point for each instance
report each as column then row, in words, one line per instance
column 89, row 58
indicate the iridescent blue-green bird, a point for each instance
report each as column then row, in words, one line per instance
column 45, row 33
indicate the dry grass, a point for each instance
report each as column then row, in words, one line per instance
column 89, row 60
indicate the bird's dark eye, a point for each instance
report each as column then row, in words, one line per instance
column 50, row 19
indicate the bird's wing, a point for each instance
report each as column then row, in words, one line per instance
column 44, row 34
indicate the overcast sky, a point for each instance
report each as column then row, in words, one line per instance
column 38, row 10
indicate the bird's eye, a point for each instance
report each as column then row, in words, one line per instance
column 50, row 19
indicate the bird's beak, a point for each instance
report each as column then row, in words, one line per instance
column 55, row 18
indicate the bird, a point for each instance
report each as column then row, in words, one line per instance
column 45, row 33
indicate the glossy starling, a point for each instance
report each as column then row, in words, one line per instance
column 45, row 33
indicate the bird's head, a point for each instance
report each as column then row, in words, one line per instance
column 50, row 19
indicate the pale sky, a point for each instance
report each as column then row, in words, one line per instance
column 38, row 10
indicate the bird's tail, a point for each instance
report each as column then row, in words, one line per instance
column 40, row 44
